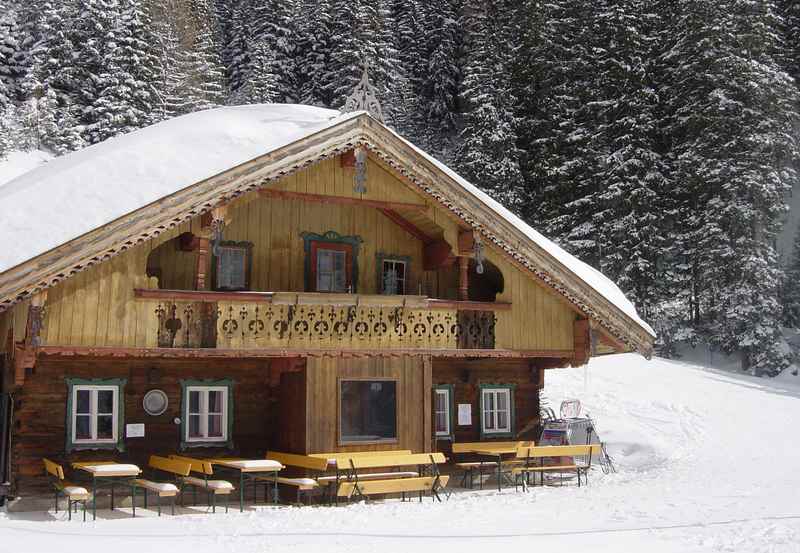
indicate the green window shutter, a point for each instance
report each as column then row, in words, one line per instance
column 119, row 384
column 185, row 385
column 486, row 433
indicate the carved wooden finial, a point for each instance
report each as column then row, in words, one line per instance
column 364, row 98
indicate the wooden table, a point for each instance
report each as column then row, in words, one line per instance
column 497, row 453
column 250, row 468
column 112, row 472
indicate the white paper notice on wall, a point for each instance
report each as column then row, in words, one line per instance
column 134, row 430
column 464, row 414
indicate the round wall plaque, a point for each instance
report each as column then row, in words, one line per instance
column 155, row 402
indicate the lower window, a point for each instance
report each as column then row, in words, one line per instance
column 207, row 413
column 442, row 396
column 496, row 410
column 368, row 410
column 94, row 413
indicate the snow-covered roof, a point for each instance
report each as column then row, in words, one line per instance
column 77, row 193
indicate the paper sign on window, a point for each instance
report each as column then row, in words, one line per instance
column 464, row 414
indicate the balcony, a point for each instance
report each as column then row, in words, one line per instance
column 303, row 321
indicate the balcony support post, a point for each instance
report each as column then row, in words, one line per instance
column 463, row 278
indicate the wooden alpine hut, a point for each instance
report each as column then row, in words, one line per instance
column 276, row 277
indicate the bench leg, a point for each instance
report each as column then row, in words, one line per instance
column 112, row 495
column 145, row 497
column 84, row 510
column 227, row 501
column 133, row 500
column 173, row 505
column 159, row 503
column 69, row 508
column 213, row 503
column 56, row 496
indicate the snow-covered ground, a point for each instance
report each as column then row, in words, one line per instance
column 706, row 462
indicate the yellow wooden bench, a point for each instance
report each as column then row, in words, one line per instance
column 75, row 494
column 361, row 484
column 300, row 484
column 468, row 468
column 175, row 467
column 213, row 488
column 528, row 456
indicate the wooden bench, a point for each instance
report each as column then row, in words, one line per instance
column 528, row 456
column 362, row 484
column 213, row 488
column 75, row 494
column 175, row 467
column 300, row 484
column 469, row 467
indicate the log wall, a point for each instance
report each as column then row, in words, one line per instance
column 40, row 415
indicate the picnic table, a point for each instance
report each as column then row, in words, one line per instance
column 496, row 452
column 112, row 473
column 250, row 469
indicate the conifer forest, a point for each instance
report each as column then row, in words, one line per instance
column 655, row 140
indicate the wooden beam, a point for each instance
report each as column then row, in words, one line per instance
column 466, row 243
column 201, row 295
column 436, row 254
column 408, row 226
column 328, row 199
column 469, row 305
column 90, row 351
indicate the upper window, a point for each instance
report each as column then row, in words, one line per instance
column 232, row 262
column 368, row 410
column 332, row 265
column 441, row 410
column 496, row 410
column 94, row 413
column 331, row 262
column 393, row 276
column 207, row 412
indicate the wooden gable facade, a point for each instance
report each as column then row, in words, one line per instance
column 280, row 312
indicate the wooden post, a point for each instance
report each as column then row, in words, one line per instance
column 463, row 278
column 202, row 263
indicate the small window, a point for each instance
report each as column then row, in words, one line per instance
column 94, row 414
column 331, row 262
column 442, row 411
column 232, row 266
column 496, row 410
column 368, row 410
column 207, row 412
column 331, row 270
column 393, row 276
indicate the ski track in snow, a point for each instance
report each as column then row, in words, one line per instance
column 705, row 459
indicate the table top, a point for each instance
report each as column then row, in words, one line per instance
column 495, row 451
column 248, row 465
column 108, row 469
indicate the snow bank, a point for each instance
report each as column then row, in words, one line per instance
column 17, row 162
column 79, row 192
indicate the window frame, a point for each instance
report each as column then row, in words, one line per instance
column 118, row 413
column 226, row 386
column 247, row 247
column 347, row 249
column 381, row 257
column 495, row 389
column 330, row 240
column 449, row 389
column 397, row 400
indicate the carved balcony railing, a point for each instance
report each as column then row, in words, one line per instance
column 318, row 321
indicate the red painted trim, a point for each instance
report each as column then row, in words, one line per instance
column 328, row 199
column 89, row 351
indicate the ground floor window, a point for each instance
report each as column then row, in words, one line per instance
column 442, row 410
column 207, row 408
column 497, row 410
column 368, row 410
column 94, row 413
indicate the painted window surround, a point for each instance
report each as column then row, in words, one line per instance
column 507, row 432
column 115, row 384
column 227, row 441
column 312, row 241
